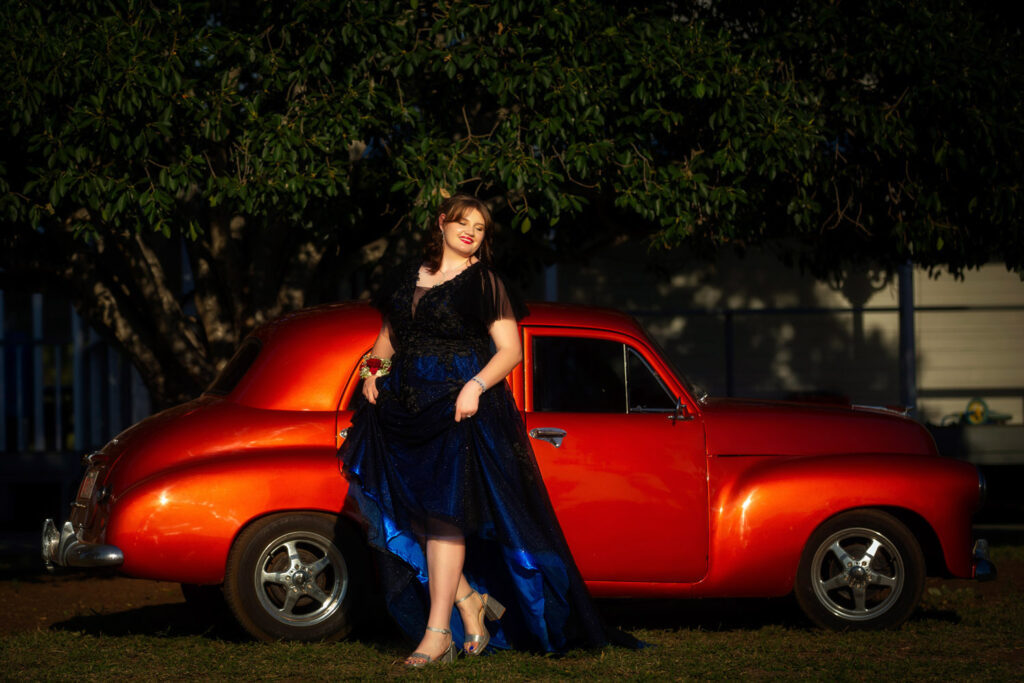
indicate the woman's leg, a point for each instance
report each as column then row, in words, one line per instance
column 446, row 552
column 469, row 610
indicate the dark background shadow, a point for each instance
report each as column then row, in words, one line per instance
column 747, row 326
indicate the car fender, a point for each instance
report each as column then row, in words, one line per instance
column 764, row 509
column 178, row 524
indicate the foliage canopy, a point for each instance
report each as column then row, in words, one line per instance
column 919, row 105
column 292, row 144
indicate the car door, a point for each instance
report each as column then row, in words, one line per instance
column 626, row 473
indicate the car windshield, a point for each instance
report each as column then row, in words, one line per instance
column 698, row 392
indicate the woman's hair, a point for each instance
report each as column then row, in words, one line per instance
column 454, row 208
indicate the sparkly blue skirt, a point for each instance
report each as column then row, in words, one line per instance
column 410, row 462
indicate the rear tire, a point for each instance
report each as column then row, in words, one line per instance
column 297, row 577
column 860, row 570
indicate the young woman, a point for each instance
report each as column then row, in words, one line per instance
column 442, row 466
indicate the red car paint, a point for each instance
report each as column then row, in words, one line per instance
column 718, row 498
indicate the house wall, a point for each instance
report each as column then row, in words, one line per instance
column 970, row 336
column 750, row 326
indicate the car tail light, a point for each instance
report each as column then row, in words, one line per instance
column 84, row 504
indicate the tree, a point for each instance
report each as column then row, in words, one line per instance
column 920, row 107
column 287, row 146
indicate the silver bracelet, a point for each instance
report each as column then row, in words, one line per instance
column 483, row 387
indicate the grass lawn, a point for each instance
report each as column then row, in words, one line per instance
column 962, row 631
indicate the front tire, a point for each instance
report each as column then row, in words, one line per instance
column 860, row 570
column 296, row 577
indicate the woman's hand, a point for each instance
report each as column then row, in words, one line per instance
column 370, row 389
column 468, row 400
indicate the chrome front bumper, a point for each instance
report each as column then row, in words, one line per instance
column 63, row 549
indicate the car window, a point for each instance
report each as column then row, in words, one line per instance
column 236, row 368
column 646, row 391
column 585, row 375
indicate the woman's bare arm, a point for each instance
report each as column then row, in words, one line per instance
column 382, row 348
column 509, row 352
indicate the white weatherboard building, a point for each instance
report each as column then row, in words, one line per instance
column 752, row 327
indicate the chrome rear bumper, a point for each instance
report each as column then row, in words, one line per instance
column 63, row 549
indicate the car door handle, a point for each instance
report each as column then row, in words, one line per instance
column 552, row 435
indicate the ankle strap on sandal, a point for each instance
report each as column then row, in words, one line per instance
column 446, row 631
column 465, row 597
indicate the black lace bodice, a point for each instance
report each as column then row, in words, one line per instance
column 451, row 317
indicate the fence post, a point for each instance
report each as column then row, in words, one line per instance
column 3, row 377
column 58, row 398
column 96, row 359
column 79, row 382
column 141, row 406
column 115, row 383
column 730, row 353
column 908, row 350
column 38, row 413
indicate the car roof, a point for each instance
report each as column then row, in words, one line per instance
column 304, row 351
column 577, row 315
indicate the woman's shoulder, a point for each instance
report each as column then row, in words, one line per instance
column 500, row 298
column 490, row 272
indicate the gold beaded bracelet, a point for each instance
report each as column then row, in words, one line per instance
column 373, row 366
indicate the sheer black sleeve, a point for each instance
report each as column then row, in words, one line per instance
column 499, row 300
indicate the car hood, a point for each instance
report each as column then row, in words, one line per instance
column 738, row 427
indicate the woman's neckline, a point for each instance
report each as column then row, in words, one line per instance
column 444, row 282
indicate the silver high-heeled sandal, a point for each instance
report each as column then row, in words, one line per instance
column 420, row 659
column 490, row 608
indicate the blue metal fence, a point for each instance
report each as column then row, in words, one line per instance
column 66, row 394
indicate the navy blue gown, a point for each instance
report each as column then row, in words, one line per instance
column 409, row 461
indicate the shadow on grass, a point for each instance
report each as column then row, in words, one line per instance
column 721, row 615
column 170, row 621
column 214, row 622
column 703, row 614
column 181, row 619
column 713, row 615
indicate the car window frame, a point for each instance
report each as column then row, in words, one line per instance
column 627, row 349
column 643, row 347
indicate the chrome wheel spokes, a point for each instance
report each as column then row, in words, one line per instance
column 857, row 574
column 301, row 578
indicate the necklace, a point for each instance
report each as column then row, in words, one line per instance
column 452, row 271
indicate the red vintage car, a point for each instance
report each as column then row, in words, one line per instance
column 661, row 491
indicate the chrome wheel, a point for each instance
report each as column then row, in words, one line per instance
column 301, row 578
column 861, row 569
column 857, row 574
column 298, row 576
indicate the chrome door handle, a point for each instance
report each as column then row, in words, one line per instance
column 552, row 435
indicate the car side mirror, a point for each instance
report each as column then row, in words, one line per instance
column 681, row 412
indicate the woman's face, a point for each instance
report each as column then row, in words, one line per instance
column 465, row 235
